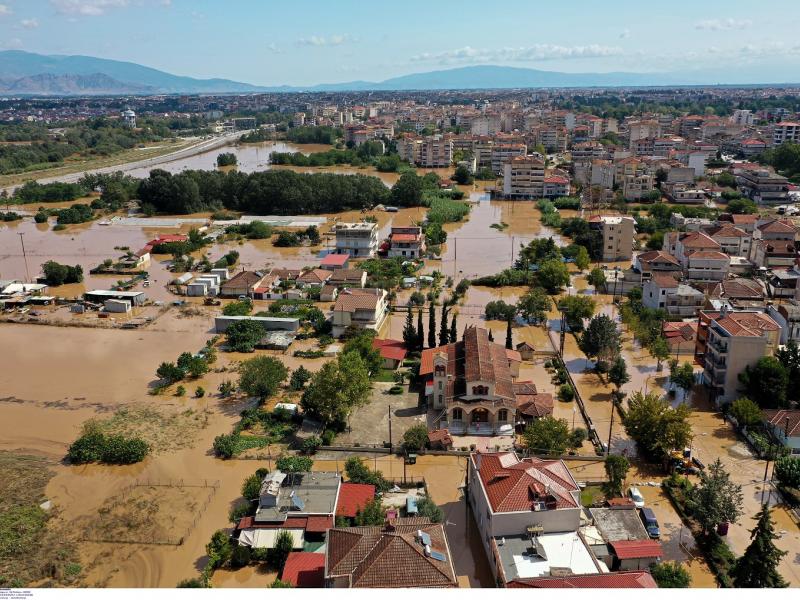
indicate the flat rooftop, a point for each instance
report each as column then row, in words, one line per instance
column 555, row 554
column 315, row 492
column 616, row 524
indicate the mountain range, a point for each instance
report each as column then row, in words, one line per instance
column 26, row 73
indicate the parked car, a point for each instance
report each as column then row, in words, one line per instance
column 650, row 522
column 635, row 495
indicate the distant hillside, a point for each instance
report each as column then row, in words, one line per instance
column 67, row 85
column 33, row 74
column 16, row 65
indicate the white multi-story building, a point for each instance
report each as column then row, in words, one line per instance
column 523, row 178
column 357, row 239
column 787, row 131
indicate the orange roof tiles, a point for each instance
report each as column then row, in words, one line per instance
column 353, row 497
column 626, row 549
column 627, row 579
column 304, row 569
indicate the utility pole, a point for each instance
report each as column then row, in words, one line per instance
column 563, row 331
column 455, row 257
column 513, row 247
column 610, row 427
column 24, row 257
column 390, row 428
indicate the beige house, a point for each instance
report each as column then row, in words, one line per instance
column 736, row 340
column 665, row 292
column 523, row 178
column 363, row 308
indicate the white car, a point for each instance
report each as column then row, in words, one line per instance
column 635, row 495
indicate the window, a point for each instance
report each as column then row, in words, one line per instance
column 458, row 414
column 441, row 385
column 502, row 415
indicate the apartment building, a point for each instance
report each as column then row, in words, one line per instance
column 784, row 132
column 436, row 152
column 406, row 242
column 735, row 340
column 556, row 186
column 357, row 239
column 742, row 117
column 523, row 178
column 617, row 232
column 762, row 185
column 502, row 154
column 663, row 291
column 731, row 239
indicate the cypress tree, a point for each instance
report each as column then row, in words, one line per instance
column 454, row 328
column 509, row 340
column 491, row 336
column 758, row 566
column 432, row 326
column 409, row 333
column 420, row 333
column 444, row 332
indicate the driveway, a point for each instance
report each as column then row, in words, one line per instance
column 369, row 424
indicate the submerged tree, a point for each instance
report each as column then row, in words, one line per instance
column 758, row 566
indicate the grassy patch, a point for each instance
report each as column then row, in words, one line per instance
column 592, row 494
column 163, row 431
column 384, row 376
column 29, row 550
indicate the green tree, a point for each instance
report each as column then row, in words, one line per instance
column 57, row 274
column 787, row 471
column 408, row 190
column 576, row 309
column 337, row 388
column 618, row 376
column 616, row 467
column 358, row 472
column 420, row 341
column 372, row 513
column 292, row 465
column 299, row 378
column 243, row 336
column 428, row 508
column 659, row 349
column 553, row 275
column 655, row 426
column 671, row 575
column 416, row 437
column 219, row 549
column 597, row 278
column 582, row 259
column 444, row 330
column 409, row 333
column 746, row 412
column 462, row 176
column 170, row 372
column 533, row 306
column 766, row 382
column 716, row 499
column 432, row 326
column 251, row 488
column 279, row 583
column 509, row 338
column 453, row 335
column 361, row 343
column 498, row 310
column 284, row 544
column 601, row 340
column 547, row 435
column 683, row 377
column 239, row 308
column 758, row 566
column 262, row 376
column 789, row 357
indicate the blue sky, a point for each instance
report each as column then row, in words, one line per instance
column 315, row 41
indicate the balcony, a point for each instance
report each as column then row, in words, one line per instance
column 717, row 345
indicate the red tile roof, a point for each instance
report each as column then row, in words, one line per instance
column 352, row 497
column 628, row 579
column 390, row 349
column 335, row 260
column 513, row 485
column 625, row 549
column 318, row 524
column 404, row 237
column 304, row 570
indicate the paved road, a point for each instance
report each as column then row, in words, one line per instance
column 198, row 148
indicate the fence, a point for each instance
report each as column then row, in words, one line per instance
column 152, row 540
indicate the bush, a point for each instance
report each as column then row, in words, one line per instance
column 566, row 393
column 240, row 556
column 251, row 487
column 225, row 445
column 787, row 471
column 311, row 445
column 396, row 390
column 94, row 446
column 239, row 510
column 328, row 436
column 239, row 308
column 416, row 437
column 199, row 392
column 428, row 508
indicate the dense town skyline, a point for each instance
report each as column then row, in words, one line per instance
column 723, row 41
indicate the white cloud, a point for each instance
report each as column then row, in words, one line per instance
column 29, row 23
column 86, row 8
column 722, row 24
column 11, row 44
column 319, row 41
column 626, row 33
column 5, row 10
column 537, row 52
column 273, row 47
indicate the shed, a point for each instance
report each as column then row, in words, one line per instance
column 117, row 306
